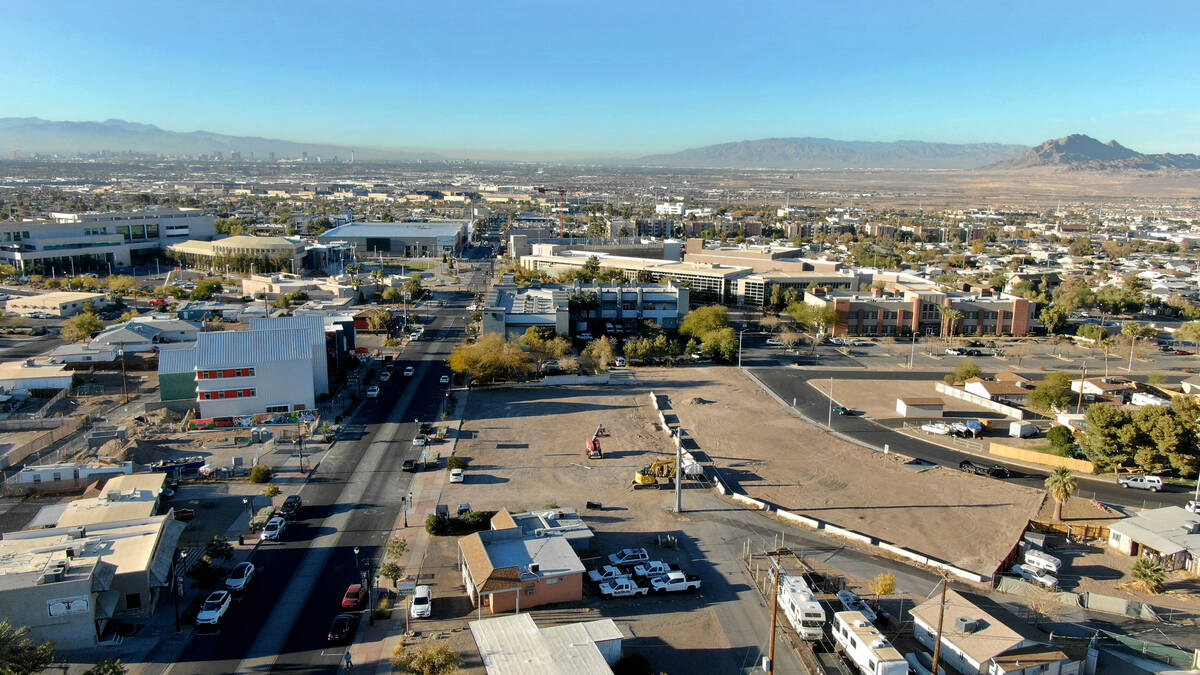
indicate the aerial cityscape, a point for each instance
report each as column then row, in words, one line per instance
column 619, row 339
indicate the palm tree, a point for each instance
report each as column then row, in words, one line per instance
column 950, row 318
column 1061, row 484
column 1149, row 572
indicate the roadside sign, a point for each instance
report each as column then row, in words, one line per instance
column 405, row 587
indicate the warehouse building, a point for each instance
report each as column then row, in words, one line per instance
column 34, row 375
column 255, row 371
column 61, row 304
column 78, row 242
column 241, row 251
column 424, row 239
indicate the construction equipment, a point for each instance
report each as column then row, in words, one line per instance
column 593, row 443
column 650, row 475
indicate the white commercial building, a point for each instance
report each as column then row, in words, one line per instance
column 255, row 371
column 669, row 209
column 61, row 304
column 31, row 374
column 77, row 242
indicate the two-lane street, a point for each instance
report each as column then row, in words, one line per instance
column 352, row 500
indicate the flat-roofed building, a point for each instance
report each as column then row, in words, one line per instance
column 706, row 282
column 514, row 645
column 34, row 375
column 66, row 583
column 420, row 239
column 571, row 309
column 971, row 634
column 61, row 303
column 93, row 241
column 277, row 252
column 124, row 497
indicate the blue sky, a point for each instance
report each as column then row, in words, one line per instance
column 611, row 77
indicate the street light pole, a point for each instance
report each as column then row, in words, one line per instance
column 912, row 352
column 177, row 584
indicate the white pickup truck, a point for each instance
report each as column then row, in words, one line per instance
column 654, row 568
column 673, row 582
column 606, row 573
column 623, row 587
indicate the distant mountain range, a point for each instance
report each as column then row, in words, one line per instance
column 826, row 153
column 1079, row 152
column 35, row 135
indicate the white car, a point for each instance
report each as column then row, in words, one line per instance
column 373, row 391
column 214, row 607
column 273, row 530
column 456, row 475
column 240, row 576
column 445, row 379
column 422, row 602
column 774, row 342
column 629, row 556
column 420, row 439
column 1193, row 506
column 408, row 371
column 620, row 362
column 385, row 376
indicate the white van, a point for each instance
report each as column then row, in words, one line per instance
column 1152, row 483
column 1043, row 561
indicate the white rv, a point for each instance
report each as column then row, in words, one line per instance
column 801, row 607
column 866, row 647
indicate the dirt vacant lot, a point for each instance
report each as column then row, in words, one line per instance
column 969, row 521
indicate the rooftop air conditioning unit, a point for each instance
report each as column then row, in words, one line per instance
column 966, row 624
column 534, row 568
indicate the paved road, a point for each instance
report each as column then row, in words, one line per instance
column 792, row 384
column 352, row 500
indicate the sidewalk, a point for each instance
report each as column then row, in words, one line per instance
column 373, row 645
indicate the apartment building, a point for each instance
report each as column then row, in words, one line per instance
column 78, row 242
column 909, row 305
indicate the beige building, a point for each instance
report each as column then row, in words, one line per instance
column 207, row 253
column 31, row 374
column 125, row 497
column 60, row 304
column 66, row 583
column 707, row 282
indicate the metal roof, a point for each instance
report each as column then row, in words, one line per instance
column 514, row 644
column 438, row 228
column 231, row 348
column 173, row 361
column 312, row 325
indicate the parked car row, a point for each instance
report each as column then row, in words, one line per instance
column 630, row 572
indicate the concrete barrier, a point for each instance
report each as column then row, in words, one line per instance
column 1045, row 459
column 849, row 534
column 797, row 518
column 975, row 399
column 957, row 571
column 904, row 553
column 753, row 503
column 654, row 400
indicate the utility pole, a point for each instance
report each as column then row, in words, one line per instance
column 829, row 418
column 937, row 645
column 678, row 472
column 124, row 382
column 774, row 620
column 1082, row 379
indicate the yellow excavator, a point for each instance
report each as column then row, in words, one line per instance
column 650, row 475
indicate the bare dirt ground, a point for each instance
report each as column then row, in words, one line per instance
column 526, row 451
column 966, row 520
column 877, row 398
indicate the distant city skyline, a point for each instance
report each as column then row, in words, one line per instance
column 627, row 79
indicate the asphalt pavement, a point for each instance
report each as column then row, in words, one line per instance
column 790, row 384
column 351, row 500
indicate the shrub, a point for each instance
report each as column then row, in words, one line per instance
column 261, row 473
column 1149, row 573
column 218, row 548
column 427, row 660
column 435, row 525
column 456, row 462
column 476, row 521
column 271, row 491
column 383, row 609
column 1062, row 441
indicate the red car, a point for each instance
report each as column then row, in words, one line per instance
column 158, row 303
column 355, row 598
column 1182, row 352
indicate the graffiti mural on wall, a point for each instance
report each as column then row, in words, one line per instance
column 247, row 421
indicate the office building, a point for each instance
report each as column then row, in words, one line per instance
column 424, row 239
column 61, row 304
column 597, row 308
column 77, row 242
column 707, row 282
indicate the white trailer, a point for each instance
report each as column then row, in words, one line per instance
column 801, row 607
column 865, row 646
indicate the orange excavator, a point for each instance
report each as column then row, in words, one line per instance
column 593, row 443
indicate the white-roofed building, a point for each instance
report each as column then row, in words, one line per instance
column 512, row 645
column 255, row 371
column 1170, row 534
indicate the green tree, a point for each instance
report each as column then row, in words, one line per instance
column 218, row 548
column 491, row 358
column 430, row 659
column 260, row 473
column 965, row 370
column 1054, row 319
column 392, row 295
column 1074, row 295
column 598, row 354
column 1062, row 440
column 121, row 283
column 1188, row 332
column 21, row 654
column 703, row 320
column 80, row 327
column 1061, row 485
column 1148, row 572
column 206, row 289
column 1091, row 331
column 1052, row 393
